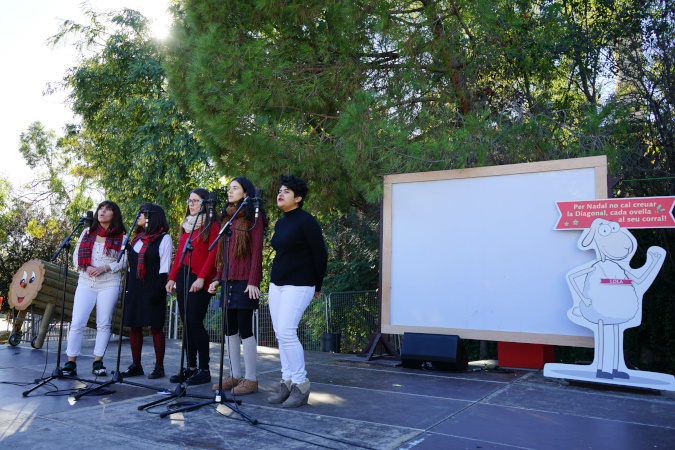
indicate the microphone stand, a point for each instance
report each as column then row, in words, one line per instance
column 117, row 376
column 181, row 387
column 219, row 396
column 58, row 372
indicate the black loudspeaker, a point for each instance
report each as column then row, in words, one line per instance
column 443, row 351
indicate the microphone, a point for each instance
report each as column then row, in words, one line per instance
column 125, row 241
column 89, row 219
column 256, row 201
column 211, row 201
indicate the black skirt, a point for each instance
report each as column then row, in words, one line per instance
column 236, row 297
column 145, row 301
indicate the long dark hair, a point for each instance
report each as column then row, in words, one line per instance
column 117, row 223
column 155, row 219
column 204, row 194
column 249, row 214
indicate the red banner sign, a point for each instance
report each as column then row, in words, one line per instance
column 644, row 212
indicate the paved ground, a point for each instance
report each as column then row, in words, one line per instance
column 354, row 404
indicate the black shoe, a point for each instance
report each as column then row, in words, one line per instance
column 69, row 369
column 187, row 373
column 133, row 371
column 157, row 372
column 200, row 377
column 98, row 369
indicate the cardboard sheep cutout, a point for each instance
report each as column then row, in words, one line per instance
column 607, row 298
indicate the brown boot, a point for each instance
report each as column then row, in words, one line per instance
column 245, row 387
column 299, row 395
column 282, row 393
column 228, row 383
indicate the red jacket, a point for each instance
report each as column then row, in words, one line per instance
column 203, row 262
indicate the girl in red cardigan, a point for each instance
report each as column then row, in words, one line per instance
column 202, row 267
column 242, row 284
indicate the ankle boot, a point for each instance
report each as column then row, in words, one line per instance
column 245, row 387
column 299, row 395
column 228, row 383
column 282, row 393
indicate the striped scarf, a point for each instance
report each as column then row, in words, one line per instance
column 189, row 222
column 113, row 243
column 147, row 240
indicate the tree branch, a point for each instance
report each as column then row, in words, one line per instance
column 452, row 69
column 302, row 111
column 412, row 100
column 459, row 18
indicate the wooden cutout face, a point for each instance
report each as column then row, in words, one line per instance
column 26, row 284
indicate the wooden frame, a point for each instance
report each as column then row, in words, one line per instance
column 598, row 164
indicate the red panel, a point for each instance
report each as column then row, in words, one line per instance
column 527, row 356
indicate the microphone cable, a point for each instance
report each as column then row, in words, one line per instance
column 321, row 436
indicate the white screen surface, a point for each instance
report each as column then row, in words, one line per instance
column 480, row 253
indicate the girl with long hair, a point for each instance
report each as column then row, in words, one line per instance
column 145, row 301
column 202, row 267
column 99, row 283
column 242, row 283
column 297, row 274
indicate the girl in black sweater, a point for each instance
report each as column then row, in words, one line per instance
column 297, row 274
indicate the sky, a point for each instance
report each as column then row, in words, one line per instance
column 29, row 63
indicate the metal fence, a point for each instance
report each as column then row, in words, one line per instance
column 32, row 322
column 351, row 314
column 354, row 315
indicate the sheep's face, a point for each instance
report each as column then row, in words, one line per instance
column 613, row 243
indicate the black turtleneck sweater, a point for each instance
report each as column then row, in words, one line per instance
column 301, row 255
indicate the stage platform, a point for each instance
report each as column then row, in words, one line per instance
column 376, row 405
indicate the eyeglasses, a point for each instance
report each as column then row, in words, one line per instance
column 192, row 201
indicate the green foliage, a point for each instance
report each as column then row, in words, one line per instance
column 135, row 140
column 27, row 234
column 343, row 93
column 354, row 316
column 62, row 180
column 5, row 200
column 353, row 248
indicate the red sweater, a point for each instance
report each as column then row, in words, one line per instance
column 249, row 267
column 203, row 261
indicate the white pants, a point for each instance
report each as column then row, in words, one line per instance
column 85, row 299
column 287, row 304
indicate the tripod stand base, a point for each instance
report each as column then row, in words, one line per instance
column 179, row 391
column 57, row 374
column 117, row 377
column 376, row 348
column 217, row 400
